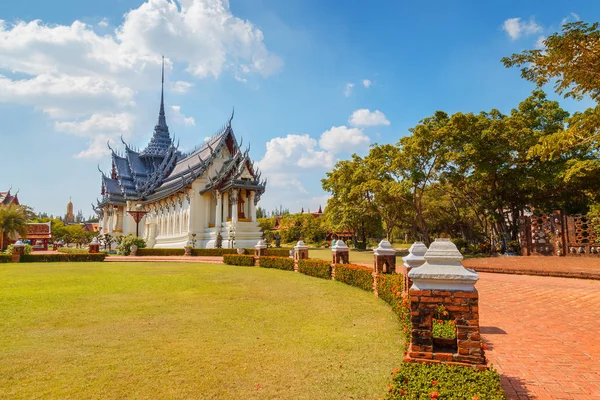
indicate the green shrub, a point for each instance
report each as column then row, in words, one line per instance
column 160, row 252
column 4, row 258
column 355, row 275
column 390, row 288
column 401, row 252
column 238, row 259
column 275, row 252
column 423, row 381
column 316, row 268
column 125, row 246
column 218, row 252
column 284, row 263
column 26, row 250
column 63, row 257
column 72, row 250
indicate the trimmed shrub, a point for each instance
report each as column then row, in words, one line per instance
column 275, row 252
column 63, row 257
column 218, row 252
column 237, row 259
column 159, row 252
column 314, row 267
column 27, row 249
column 4, row 258
column 125, row 246
column 284, row 263
column 71, row 250
column 390, row 289
column 355, row 275
column 440, row 381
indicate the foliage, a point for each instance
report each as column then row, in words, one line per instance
column 161, row 252
column 284, row 263
column 570, row 60
column 390, row 289
column 13, row 221
column 237, row 259
column 73, row 250
column 124, row 246
column 355, row 275
column 315, row 267
column 75, row 257
column 4, row 258
column 306, row 227
column 445, row 329
column 440, row 381
column 26, row 249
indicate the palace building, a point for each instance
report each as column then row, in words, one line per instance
column 207, row 197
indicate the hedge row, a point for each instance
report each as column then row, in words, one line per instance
column 237, row 259
column 4, row 258
column 390, row 287
column 355, row 275
column 278, row 252
column 314, row 267
column 440, row 381
column 284, row 263
column 72, row 250
column 63, row 257
column 195, row 252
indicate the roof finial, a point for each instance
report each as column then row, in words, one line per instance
column 161, row 115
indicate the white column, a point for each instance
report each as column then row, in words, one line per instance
column 234, row 211
column 219, row 212
column 252, row 206
column 208, row 203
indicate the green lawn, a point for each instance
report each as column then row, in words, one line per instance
column 179, row 330
column 356, row 256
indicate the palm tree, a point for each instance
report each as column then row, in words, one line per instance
column 13, row 220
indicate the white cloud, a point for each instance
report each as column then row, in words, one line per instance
column 179, row 118
column 343, row 139
column 294, row 151
column 539, row 43
column 181, row 87
column 70, row 71
column 348, row 90
column 570, row 18
column 515, row 27
column 99, row 128
column 364, row 117
column 366, row 83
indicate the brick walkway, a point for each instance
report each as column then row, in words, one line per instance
column 569, row 267
column 541, row 334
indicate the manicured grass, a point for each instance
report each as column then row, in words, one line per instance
column 356, row 256
column 187, row 330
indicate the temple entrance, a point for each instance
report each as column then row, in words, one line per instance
column 240, row 205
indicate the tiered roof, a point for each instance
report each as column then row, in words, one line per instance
column 6, row 198
column 160, row 170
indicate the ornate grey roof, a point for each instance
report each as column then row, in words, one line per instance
column 160, row 170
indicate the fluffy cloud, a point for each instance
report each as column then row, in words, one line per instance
column 364, row 117
column 366, row 83
column 348, row 90
column 515, row 27
column 70, row 71
column 99, row 129
column 294, row 151
column 340, row 139
column 179, row 118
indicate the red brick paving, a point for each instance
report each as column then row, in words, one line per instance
column 571, row 267
column 541, row 334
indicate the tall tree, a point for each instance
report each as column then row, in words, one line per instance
column 13, row 220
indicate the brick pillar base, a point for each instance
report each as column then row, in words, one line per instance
column 463, row 307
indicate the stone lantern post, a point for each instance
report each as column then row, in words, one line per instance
column 340, row 253
column 300, row 253
column 415, row 258
column 94, row 246
column 443, row 283
column 18, row 251
column 384, row 258
column 260, row 249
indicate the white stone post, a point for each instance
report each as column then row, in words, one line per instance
column 252, row 206
column 414, row 259
column 385, row 258
column 340, row 253
column 219, row 211
column 234, row 201
column 300, row 253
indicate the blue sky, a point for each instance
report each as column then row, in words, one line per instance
column 311, row 81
